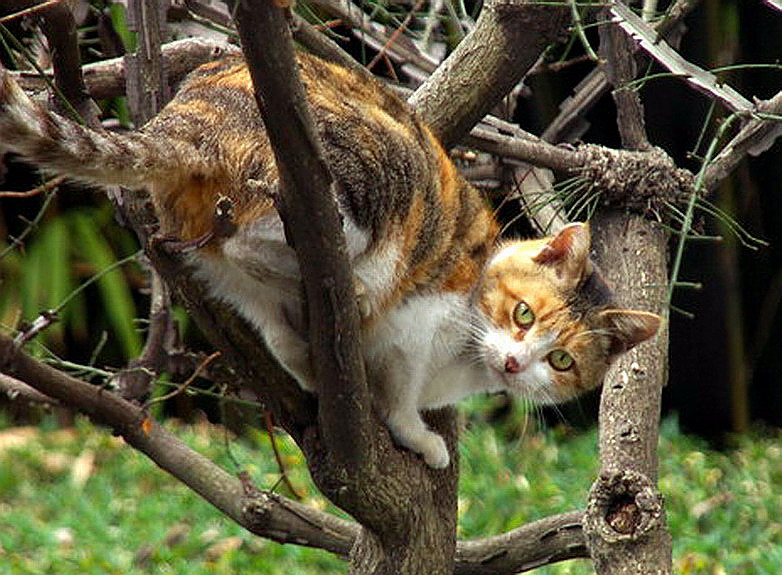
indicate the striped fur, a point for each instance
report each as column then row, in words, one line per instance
column 439, row 299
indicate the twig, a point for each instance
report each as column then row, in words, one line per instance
column 368, row 31
column 268, row 420
column 45, row 187
column 30, row 11
column 181, row 388
column 395, row 35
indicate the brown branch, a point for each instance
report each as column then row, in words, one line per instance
column 625, row 523
column 262, row 513
column 619, row 68
column 308, row 189
column 16, row 390
column 23, row 13
column 135, row 381
column 106, row 79
column 45, row 187
column 530, row 546
column 525, row 147
column 757, row 135
column 508, row 39
column 147, row 86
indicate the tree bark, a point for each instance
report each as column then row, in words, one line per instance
column 625, row 521
column 507, row 40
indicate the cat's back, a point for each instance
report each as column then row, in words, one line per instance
column 396, row 182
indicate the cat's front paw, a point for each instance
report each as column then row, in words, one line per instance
column 435, row 452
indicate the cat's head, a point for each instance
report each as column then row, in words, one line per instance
column 547, row 327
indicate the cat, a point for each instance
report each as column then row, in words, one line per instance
column 447, row 310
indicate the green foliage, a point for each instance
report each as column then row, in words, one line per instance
column 41, row 276
column 80, row 501
column 115, row 293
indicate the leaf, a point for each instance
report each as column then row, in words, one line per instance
column 32, row 280
column 115, row 293
column 56, row 266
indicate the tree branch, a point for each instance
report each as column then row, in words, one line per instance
column 263, row 513
column 148, row 89
column 260, row 512
column 308, row 208
column 16, row 390
column 530, row 546
column 508, row 39
column 569, row 125
column 625, row 523
column 757, row 135
column 106, row 79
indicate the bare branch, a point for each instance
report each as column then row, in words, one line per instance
column 508, row 39
column 755, row 137
column 16, row 390
column 530, row 546
column 373, row 34
column 700, row 79
column 106, row 79
column 148, row 89
column 569, row 124
column 307, row 190
column 265, row 514
column 619, row 68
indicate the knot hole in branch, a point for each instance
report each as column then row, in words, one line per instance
column 623, row 505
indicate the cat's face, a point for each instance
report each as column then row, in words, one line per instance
column 546, row 328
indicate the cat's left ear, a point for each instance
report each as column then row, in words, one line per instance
column 568, row 253
column 629, row 327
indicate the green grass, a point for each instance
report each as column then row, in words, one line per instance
column 78, row 501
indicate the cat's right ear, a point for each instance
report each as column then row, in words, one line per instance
column 629, row 327
column 568, row 252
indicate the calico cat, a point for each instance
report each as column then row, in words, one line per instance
column 446, row 310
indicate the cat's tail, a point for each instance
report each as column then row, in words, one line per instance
column 66, row 147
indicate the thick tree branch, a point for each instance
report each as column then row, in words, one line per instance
column 508, row 39
column 106, row 79
column 530, row 546
column 308, row 207
column 625, row 523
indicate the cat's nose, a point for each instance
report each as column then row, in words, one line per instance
column 512, row 365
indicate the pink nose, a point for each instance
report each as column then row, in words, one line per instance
column 512, row 365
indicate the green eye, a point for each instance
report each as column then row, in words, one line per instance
column 523, row 315
column 561, row 360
